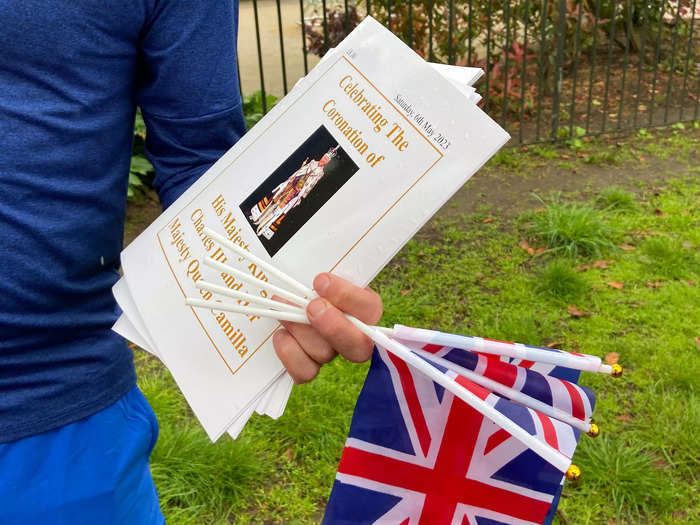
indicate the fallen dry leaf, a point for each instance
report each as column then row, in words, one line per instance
column 403, row 292
column 642, row 233
column 540, row 250
column 679, row 514
column 660, row 463
column 627, row 247
column 289, row 454
column 611, row 358
column 624, row 417
column 526, row 246
column 583, row 267
column 637, row 305
column 487, row 220
column 602, row 264
column 689, row 283
column 555, row 344
column 615, row 284
column 576, row 312
column 697, row 341
column 658, row 212
column 655, row 284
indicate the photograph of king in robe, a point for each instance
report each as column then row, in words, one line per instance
column 297, row 189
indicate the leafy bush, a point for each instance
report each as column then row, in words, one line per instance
column 140, row 171
column 338, row 25
column 253, row 109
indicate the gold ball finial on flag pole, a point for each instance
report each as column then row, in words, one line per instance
column 616, row 370
column 594, row 431
column 573, row 473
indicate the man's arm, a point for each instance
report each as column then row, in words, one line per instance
column 188, row 90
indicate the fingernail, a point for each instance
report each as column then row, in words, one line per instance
column 316, row 308
column 322, row 283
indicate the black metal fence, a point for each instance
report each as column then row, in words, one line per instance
column 554, row 69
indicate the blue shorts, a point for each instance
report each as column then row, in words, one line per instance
column 93, row 471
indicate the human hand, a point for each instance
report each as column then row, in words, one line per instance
column 304, row 348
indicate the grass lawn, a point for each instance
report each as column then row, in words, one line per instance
column 593, row 245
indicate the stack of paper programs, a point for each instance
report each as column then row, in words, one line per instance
column 337, row 177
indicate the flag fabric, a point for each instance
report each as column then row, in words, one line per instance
column 416, row 455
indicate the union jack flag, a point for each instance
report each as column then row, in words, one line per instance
column 416, row 455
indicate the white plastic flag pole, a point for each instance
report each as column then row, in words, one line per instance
column 587, row 363
column 246, row 277
column 269, row 268
column 514, row 395
column 247, row 310
column 253, row 299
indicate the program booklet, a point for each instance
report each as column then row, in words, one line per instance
column 337, row 177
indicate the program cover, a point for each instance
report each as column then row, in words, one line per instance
column 337, row 178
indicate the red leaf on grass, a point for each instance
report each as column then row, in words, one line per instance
column 658, row 212
column 655, row 284
column 602, row 264
column 612, row 358
column 583, row 267
column 627, row 247
column 487, row 220
column 404, row 292
column 555, row 344
column 615, row 284
column 576, row 312
column 624, row 417
column 526, row 246
column 660, row 463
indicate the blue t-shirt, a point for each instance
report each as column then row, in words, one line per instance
column 71, row 75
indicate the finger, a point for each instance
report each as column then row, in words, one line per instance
column 333, row 326
column 311, row 342
column 299, row 365
column 363, row 303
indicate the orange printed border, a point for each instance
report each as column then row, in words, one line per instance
column 381, row 217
